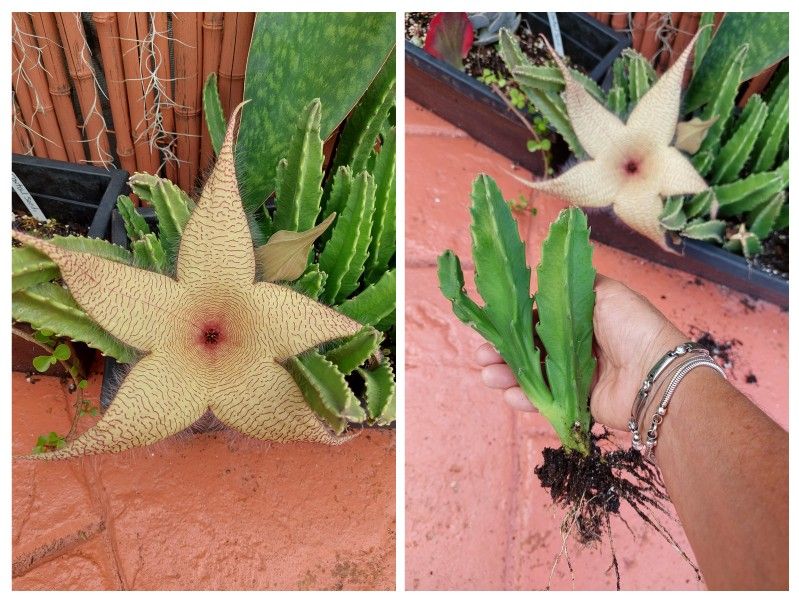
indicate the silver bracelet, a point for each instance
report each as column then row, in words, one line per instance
column 660, row 413
column 640, row 402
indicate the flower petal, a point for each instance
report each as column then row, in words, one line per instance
column 266, row 403
column 588, row 184
column 657, row 111
column 292, row 323
column 138, row 307
column 156, row 400
column 216, row 242
column 642, row 213
column 678, row 175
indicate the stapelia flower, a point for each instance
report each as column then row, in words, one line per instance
column 213, row 338
column 634, row 164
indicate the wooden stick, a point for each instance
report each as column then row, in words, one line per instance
column 31, row 74
column 187, row 34
column 233, row 62
column 213, row 24
column 649, row 40
column 20, row 141
column 160, row 57
column 147, row 159
column 639, row 25
column 757, row 84
column 27, row 107
column 620, row 21
column 108, row 35
column 689, row 23
column 44, row 25
column 82, row 73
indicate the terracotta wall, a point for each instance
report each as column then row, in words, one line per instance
column 124, row 89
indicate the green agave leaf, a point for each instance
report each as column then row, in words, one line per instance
column 362, row 127
column 766, row 33
column 673, row 218
column 735, row 152
column 135, row 225
column 383, row 243
column 565, row 302
column 311, row 283
column 299, row 175
column 344, row 255
column 701, row 204
column 149, row 254
column 723, row 102
column 214, row 114
column 707, row 231
column 353, row 352
column 49, row 306
column 381, row 398
column 172, row 208
column 326, row 390
column 762, row 220
column 774, row 129
column 375, row 303
column 294, row 58
column 746, row 194
column 705, row 29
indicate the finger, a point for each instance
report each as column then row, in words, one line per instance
column 499, row 377
column 486, row 355
column 517, row 400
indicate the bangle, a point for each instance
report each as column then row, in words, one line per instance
column 660, row 413
column 646, row 387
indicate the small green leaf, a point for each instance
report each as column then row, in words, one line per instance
column 83, row 384
column 353, row 352
column 381, row 399
column 42, row 363
column 61, row 352
column 135, row 225
column 375, row 303
column 214, row 115
column 708, row 231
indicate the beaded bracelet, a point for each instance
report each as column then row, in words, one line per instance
column 646, row 387
column 679, row 374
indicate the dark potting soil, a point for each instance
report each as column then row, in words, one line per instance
column 722, row 350
column 774, row 257
column 593, row 487
column 47, row 229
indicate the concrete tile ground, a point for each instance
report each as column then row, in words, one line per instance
column 476, row 517
column 207, row 511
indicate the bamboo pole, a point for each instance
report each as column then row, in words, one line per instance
column 81, row 71
column 163, row 73
column 27, row 107
column 649, row 39
column 757, row 84
column 20, row 141
column 213, row 24
column 689, row 23
column 59, row 86
column 108, row 35
column 146, row 154
column 233, row 62
column 188, row 46
column 620, row 21
column 31, row 74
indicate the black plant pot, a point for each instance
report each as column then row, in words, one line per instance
column 699, row 258
column 475, row 108
column 67, row 192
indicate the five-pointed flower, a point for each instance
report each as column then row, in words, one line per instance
column 213, row 337
column 634, row 163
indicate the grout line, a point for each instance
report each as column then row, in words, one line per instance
column 30, row 560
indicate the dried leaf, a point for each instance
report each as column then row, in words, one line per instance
column 691, row 134
column 285, row 256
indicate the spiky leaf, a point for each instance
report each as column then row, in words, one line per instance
column 774, row 129
column 353, row 352
column 707, row 231
column 311, row 283
column 722, row 103
column 212, row 110
column 383, row 243
column 735, row 152
column 135, row 225
column 148, row 253
column 381, row 399
column 762, row 220
column 375, row 303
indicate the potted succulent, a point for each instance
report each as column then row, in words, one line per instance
column 321, row 255
column 55, row 197
column 514, row 126
column 721, row 213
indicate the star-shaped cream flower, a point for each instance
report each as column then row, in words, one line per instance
column 212, row 338
column 634, row 164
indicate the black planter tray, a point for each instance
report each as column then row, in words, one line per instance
column 698, row 258
column 66, row 192
column 475, row 108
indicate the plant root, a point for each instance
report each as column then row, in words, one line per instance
column 593, row 487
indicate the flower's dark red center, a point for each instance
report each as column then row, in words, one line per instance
column 211, row 335
column 631, row 167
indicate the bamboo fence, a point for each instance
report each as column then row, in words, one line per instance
column 661, row 37
column 124, row 89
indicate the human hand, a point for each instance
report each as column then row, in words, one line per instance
column 630, row 335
